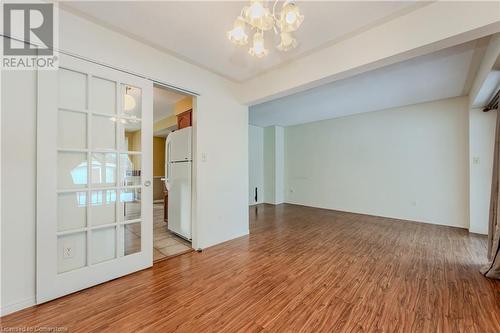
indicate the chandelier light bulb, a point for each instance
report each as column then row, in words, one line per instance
column 290, row 17
column 258, row 50
column 258, row 16
column 256, row 10
column 237, row 35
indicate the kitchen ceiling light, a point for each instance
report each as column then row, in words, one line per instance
column 128, row 100
column 259, row 18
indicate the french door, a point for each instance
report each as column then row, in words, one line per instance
column 94, row 172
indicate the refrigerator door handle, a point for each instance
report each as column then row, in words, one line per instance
column 169, row 155
column 169, row 172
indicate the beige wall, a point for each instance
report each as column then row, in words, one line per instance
column 158, row 156
column 183, row 105
column 134, row 144
column 158, row 167
column 164, row 123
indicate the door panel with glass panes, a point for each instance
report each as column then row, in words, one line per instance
column 94, row 156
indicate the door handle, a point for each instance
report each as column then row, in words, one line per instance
column 147, row 183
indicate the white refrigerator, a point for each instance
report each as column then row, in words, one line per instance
column 178, row 181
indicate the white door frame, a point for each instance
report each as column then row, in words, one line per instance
column 50, row 284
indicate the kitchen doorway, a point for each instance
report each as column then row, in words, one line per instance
column 172, row 168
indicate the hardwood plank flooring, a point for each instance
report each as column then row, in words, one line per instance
column 300, row 270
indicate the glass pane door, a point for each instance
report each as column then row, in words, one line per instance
column 99, row 157
column 102, row 209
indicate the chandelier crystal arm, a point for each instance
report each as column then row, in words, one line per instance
column 276, row 19
column 274, row 12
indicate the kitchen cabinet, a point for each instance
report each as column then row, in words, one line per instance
column 184, row 119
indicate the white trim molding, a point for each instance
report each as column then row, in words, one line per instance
column 17, row 306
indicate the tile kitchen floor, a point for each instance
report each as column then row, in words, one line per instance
column 165, row 243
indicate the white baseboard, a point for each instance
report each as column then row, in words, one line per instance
column 478, row 232
column 375, row 214
column 226, row 239
column 16, row 306
column 256, row 203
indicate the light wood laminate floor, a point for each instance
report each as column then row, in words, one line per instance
column 300, row 270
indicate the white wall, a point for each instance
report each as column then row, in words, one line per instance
column 481, row 144
column 269, row 164
column 408, row 163
column 279, row 141
column 18, row 189
column 255, row 164
column 274, row 164
column 218, row 217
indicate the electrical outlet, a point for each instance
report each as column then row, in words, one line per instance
column 204, row 157
column 476, row 160
column 67, row 251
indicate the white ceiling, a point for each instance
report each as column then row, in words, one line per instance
column 163, row 102
column 196, row 31
column 439, row 75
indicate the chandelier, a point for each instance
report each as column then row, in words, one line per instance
column 260, row 19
